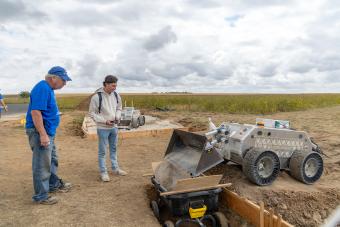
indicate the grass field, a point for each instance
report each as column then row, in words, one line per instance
column 229, row 103
column 65, row 101
column 235, row 103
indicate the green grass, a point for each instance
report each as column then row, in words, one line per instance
column 65, row 102
column 15, row 99
column 255, row 104
column 70, row 102
column 233, row 103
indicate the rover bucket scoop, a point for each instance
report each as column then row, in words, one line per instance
column 189, row 152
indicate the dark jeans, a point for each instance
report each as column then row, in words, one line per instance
column 44, row 165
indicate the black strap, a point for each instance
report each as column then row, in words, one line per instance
column 116, row 95
column 101, row 99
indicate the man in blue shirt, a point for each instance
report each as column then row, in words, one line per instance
column 2, row 104
column 42, row 120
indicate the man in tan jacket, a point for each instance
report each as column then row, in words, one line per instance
column 105, row 109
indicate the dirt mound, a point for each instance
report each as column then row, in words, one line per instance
column 193, row 124
column 84, row 105
column 74, row 126
column 303, row 208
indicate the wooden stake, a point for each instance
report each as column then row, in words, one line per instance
column 261, row 214
column 279, row 220
column 271, row 218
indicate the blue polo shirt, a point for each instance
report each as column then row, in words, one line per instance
column 42, row 98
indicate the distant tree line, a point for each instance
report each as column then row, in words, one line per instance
column 24, row 94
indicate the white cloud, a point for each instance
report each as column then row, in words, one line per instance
column 192, row 45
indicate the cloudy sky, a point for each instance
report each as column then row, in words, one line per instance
column 267, row 46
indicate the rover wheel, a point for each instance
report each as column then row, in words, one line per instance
column 221, row 220
column 306, row 167
column 168, row 223
column 208, row 220
column 155, row 209
column 141, row 120
column 134, row 123
column 261, row 167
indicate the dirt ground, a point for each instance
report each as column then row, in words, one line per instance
column 124, row 201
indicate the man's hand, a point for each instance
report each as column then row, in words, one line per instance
column 6, row 108
column 109, row 122
column 39, row 125
column 44, row 140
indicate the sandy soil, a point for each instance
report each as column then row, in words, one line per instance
column 125, row 201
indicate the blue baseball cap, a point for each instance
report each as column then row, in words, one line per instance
column 59, row 71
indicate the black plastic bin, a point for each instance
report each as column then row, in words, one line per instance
column 179, row 204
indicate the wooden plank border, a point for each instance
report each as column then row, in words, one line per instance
column 195, row 189
column 251, row 211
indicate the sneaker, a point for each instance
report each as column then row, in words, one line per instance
column 49, row 201
column 105, row 177
column 119, row 172
column 63, row 187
